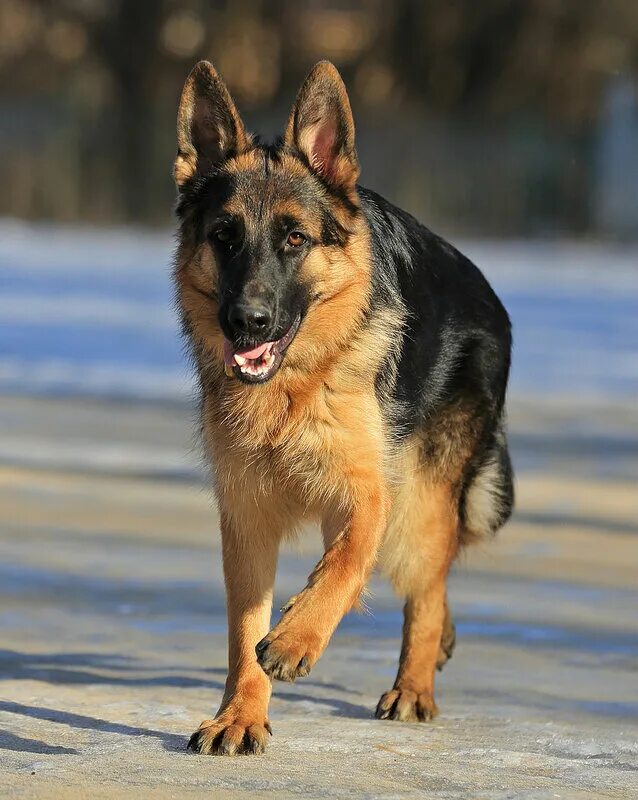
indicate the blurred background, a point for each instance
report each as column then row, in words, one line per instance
column 513, row 123
column 493, row 118
column 508, row 126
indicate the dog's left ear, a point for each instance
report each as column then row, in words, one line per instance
column 321, row 127
column 209, row 128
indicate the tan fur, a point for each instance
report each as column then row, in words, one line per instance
column 420, row 543
column 448, row 442
column 422, row 533
column 249, row 570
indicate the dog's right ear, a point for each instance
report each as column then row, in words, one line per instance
column 209, row 129
column 321, row 127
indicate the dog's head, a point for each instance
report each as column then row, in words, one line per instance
column 265, row 230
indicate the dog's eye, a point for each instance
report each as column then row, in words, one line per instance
column 223, row 235
column 226, row 237
column 295, row 239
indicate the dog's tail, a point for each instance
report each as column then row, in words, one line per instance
column 488, row 498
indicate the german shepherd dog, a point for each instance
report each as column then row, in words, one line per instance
column 353, row 368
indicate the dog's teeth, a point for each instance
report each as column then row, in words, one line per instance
column 256, row 367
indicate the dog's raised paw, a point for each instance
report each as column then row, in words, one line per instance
column 282, row 661
column 224, row 738
column 404, row 705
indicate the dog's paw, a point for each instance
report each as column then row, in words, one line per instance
column 286, row 657
column 227, row 736
column 405, row 705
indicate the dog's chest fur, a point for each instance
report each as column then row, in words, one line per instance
column 301, row 433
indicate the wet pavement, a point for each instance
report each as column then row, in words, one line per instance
column 113, row 626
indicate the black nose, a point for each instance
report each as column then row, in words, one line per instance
column 249, row 320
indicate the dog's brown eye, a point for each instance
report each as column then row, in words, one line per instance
column 295, row 239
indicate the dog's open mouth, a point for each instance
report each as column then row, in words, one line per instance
column 258, row 363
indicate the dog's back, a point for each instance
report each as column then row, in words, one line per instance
column 446, row 373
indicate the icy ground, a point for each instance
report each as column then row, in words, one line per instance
column 111, row 597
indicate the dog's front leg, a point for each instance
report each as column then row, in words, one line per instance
column 294, row 645
column 241, row 724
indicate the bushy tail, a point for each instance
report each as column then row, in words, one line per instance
column 488, row 499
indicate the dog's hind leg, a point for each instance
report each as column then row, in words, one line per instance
column 420, row 544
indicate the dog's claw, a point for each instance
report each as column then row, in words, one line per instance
column 193, row 742
column 260, row 648
column 448, row 642
column 281, row 663
column 229, row 739
column 406, row 706
column 304, row 668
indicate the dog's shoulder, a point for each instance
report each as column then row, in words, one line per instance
column 456, row 335
column 427, row 270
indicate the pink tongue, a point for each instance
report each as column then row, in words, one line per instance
column 254, row 352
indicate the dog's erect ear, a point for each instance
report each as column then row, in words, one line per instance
column 321, row 127
column 209, row 129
